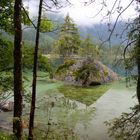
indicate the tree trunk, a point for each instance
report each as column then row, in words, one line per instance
column 17, row 122
column 32, row 111
column 138, row 63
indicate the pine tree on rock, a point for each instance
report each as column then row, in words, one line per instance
column 68, row 41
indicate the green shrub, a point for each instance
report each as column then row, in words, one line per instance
column 5, row 136
column 85, row 71
column 65, row 66
column 43, row 62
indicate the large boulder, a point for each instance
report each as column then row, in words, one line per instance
column 9, row 106
column 87, row 72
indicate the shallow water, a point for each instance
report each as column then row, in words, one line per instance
column 6, row 121
column 110, row 105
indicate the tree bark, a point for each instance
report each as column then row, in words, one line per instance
column 17, row 121
column 32, row 111
column 138, row 64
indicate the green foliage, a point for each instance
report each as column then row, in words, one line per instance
column 134, row 29
column 133, row 49
column 6, row 65
column 129, row 63
column 7, row 136
column 6, row 54
column 55, row 61
column 46, row 40
column 25, row 19
column 68, row 41
column 65, row 66
column 27, row 57
column 88, row 68
column 6, row 86
column 4, row 136
column 7, row 16
column 86, row 95
column 85, row 71
column 46, row 25
column 88, row 48
column 6, row 81
column 43, row 63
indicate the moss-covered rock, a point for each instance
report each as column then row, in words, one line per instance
column 87, row 72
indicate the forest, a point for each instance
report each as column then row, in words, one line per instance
column 65, row 78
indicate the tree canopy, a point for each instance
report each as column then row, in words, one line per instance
column 68, row 41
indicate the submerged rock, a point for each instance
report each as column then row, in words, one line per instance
column 7, row 107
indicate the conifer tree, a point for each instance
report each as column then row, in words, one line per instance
column 88, row 48
column 68, row 41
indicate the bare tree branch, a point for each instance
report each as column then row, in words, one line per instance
column 28, row 17
column 118, row 18
column 126, row 47
column 116, row 21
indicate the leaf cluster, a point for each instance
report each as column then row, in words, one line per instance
column 88, row 48
column 6, row 53
column 7, row 16
column 65, row 66
column 46, row 25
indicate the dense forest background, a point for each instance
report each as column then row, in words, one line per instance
column 79, row 63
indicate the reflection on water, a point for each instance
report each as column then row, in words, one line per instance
column 109, row 106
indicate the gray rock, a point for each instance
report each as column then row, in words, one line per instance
column 7, row 106
column 104, row 74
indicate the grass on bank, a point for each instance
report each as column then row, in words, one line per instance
column 85, row 95
column 4, row 136
column 7, row 136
